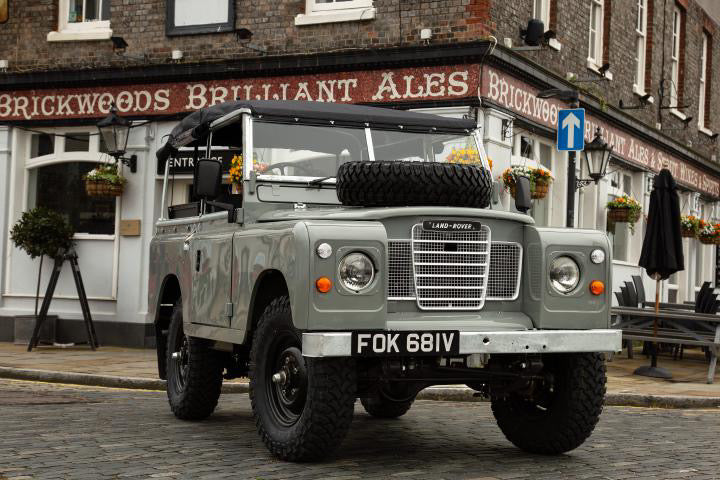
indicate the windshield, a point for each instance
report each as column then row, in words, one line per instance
column 282, row 151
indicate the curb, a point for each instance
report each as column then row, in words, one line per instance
column 448, row 394
column 90, row 379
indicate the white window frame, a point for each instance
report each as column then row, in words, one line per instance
column 702, row 113
column 346, row 11
column 533, row 160
column 622, row 189
column 595, row 49
column 640, row 47
column 78, row 31
column 675, row 60
column 541, row 11
column 22, row 186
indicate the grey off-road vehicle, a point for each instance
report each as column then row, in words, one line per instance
column 362, row 259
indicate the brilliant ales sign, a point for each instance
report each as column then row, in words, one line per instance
column 368, row 86
column 436, row 83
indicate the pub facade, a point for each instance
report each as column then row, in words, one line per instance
column 49, row 140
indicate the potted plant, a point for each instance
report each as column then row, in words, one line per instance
column 624, row 209
column 105, row 181
column 466, row 156
column 40, row 232
column 689, row 226
column 708, row 233
column 236, row 172
column 540, row 180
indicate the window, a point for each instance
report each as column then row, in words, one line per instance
column 189, row 17
column 534, row 152
column 675, row 57
column 327, row 11
column 57, row 163
column 705, row 74
column 3, row 11
column 619, row 183
column 541, row 11
column 640, row 47
column 90, row 215
column 595, row 51
column 82, row 20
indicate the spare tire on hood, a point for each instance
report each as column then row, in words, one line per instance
column 396, row 183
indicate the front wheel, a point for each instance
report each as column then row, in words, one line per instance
column 563, row 410
column 303, row 407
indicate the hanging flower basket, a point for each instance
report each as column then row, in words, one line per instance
column 623, row 215
column 105, row 181
column 540, row 180
column 708, row 233
column 541, row 189
column 690, row 225
column 688, row 232
column 99, row 188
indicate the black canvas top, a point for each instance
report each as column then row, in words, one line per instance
column 195, row 126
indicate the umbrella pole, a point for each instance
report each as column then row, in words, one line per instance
column 653, row 370
column 653, row 358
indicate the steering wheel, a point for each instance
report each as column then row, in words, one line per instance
column 282, row 165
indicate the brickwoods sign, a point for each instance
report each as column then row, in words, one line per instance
column 521, row 98
column 439, row 83
column 370, row 86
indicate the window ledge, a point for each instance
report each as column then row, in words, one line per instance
column 554, row 44
column 596, row 68
column 76, row 35
column 350, row 15
column 678, row 114
column 641, row 93
column 706, row 131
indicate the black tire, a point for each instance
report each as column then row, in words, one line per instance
column 380, row 406
column 567, row 415
column 194, row 379
column 385, row 184
column 307, row 418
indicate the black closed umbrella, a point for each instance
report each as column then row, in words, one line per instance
column 662, row 253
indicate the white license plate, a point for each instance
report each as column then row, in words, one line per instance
column 371, row 343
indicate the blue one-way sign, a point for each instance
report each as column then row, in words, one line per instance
column 571, row 125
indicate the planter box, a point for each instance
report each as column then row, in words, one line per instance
column 24, row 325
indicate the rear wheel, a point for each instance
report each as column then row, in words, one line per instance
column 194, row 372
column 303, row 407
column 563, row 410
column 379, row 405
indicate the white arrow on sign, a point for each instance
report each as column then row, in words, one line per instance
column 571, row 122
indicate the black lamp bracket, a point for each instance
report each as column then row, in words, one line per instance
column 583, row 182
column 130, row 161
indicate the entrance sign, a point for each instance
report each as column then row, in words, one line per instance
column 572, row 125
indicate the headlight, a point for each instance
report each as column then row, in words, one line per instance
column 356, row 271
column 564, row 274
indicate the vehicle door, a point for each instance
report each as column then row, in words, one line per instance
column 211, row 263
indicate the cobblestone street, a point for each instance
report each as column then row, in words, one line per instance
column 59, row 431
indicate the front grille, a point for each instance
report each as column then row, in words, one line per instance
column 503, row 279
column 505, row 265
column 450, row 268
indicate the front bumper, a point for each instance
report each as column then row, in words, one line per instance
column 339, row 344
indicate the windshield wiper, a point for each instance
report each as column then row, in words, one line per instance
column 318, row 182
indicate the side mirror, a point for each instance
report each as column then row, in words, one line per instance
column 523, row 201
column 207, row 179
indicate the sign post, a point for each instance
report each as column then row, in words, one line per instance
column 571, row 139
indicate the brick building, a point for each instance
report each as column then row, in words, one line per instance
column 63, row 62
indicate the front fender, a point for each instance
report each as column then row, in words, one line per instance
column 579, row 309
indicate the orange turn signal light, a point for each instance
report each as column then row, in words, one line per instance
column 597, row 287
column 323, row 284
